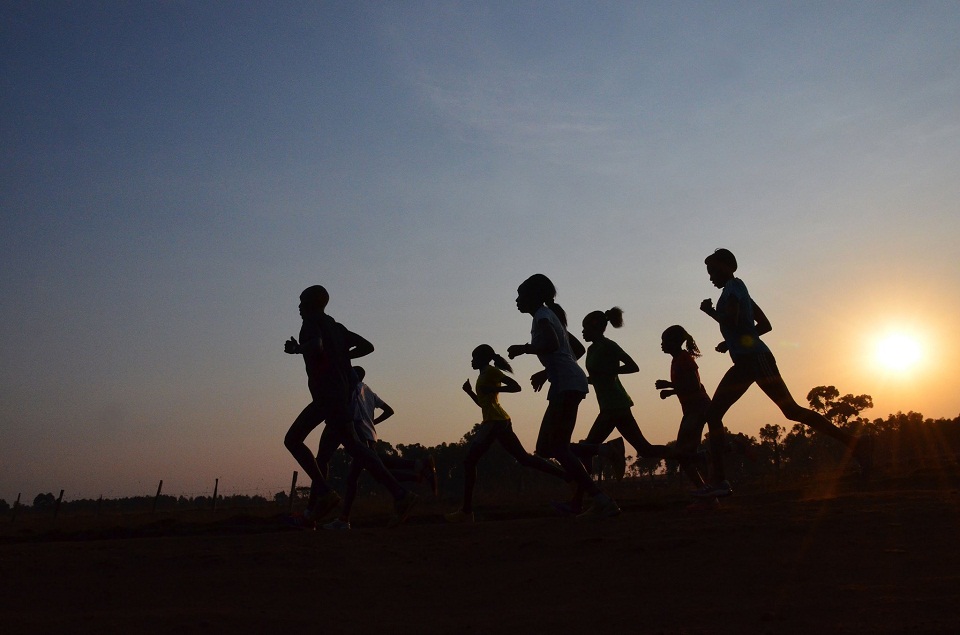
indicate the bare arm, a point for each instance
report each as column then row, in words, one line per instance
column 763, row 324
column 729, row 317
column 357, row 346
column 386, row 414
column 538, row 379
column 507, row 384
column 627, row 365
column 467, row 388
column 544, row 342
column 576, row 346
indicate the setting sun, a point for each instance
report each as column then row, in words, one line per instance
column 898, row 352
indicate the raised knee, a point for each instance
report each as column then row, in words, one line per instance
column 291, row 441
column 794, row 412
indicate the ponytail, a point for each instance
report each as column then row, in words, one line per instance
column 691, row 346
column 613, row 317
column 501, row 363
column 486, row 354
column 558, row 310
column 677, row 333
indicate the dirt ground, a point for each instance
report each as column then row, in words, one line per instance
column 831, row 556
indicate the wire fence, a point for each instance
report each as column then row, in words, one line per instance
column 47, row 504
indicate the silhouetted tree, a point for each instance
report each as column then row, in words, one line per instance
column 43, row 502
column 644, row 466
column 770, row 440
column 671, row 468
column 909, row 438
column 4, row 506
column 841, row 410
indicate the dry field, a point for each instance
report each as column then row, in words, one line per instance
column 830, row 556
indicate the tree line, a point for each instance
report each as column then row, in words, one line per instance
column 902, row 440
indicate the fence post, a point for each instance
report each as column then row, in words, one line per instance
column 293, row 490
column 157, row 497
column 16, row 506
column 56, row 510
column 216, row 486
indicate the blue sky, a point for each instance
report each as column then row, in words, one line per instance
column 174, row 174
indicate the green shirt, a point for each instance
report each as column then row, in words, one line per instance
column 603, row 362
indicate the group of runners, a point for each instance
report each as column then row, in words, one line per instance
column 348, row 406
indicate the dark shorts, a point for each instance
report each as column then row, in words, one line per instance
column 558, row 423
column 756, row 367
column 492, row 428
column 333, row 397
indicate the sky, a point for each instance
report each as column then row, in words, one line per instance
column 174, row 174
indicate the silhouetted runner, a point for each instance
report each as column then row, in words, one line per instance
column 685, row 385
column 605, row 362
column 327, row 348
column 742, row 323
column 496, row 426
column 558, row 351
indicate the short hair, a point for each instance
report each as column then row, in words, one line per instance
column 315, row 296
column 722, row 257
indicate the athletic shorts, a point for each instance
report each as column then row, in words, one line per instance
column 756, row 367
column 691, row 431
column 333, row 397
column 558, row 423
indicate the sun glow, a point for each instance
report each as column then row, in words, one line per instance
column 898, row 352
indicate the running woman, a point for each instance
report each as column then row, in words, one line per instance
column 496, row 426
column 685, row 385
column 605, row 362
column 558, row 351
column 742, row 323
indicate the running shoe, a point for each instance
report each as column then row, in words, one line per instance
column 459, row 516
column 615, row 452
column 402, row 509
column 337, row 525
column 299, row 521
column 324, row 505
column 601, row 509
column 710, row 490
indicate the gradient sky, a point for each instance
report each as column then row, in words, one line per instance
column 175, row 173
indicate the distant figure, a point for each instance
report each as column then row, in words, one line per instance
column 327, row 348
column 685, row 385
column 365, row 403
column 605, row 362
column 558, row 351
column 495, row 426
column 742, row 323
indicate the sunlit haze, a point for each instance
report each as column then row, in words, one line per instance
column 899, row 352
column 175, row 173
